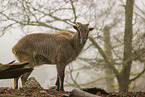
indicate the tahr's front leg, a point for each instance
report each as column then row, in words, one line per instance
column 60, row 77
column 16, row 82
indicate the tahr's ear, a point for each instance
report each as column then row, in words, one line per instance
column 90, row 29
column 75, row 27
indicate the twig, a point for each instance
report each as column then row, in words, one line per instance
column 87, row 83
column 74, row 81
column 140, row 74
column 74, row 11
column 116, row 72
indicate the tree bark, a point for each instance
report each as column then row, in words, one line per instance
column 107, row 50
column 128, row 33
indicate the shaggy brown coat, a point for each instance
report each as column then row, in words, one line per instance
column 51, row 48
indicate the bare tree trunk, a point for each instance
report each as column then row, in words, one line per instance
column 107, row 49
column 125, row 73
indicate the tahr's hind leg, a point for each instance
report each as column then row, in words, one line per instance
column 30, row 65
column 24, row 77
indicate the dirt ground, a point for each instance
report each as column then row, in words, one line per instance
column 32, row 88
column 35, row 92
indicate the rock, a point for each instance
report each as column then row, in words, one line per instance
column 95, row 90
column 80, row 93
column 32, row 83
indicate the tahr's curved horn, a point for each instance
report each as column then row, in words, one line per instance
column 87, row 24
column 78, row 23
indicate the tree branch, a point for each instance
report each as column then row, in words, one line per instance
column 54, row 17
column 87, row 83
column 74, row 11
column 33, row 23
column 107, row 60
column 74, row 81
column 136, row 77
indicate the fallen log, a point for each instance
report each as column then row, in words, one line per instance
column 13, row 70
column 80, row 93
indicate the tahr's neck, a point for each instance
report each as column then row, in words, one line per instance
column 75, row 40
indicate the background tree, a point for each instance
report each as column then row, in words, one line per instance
column 128, row 35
